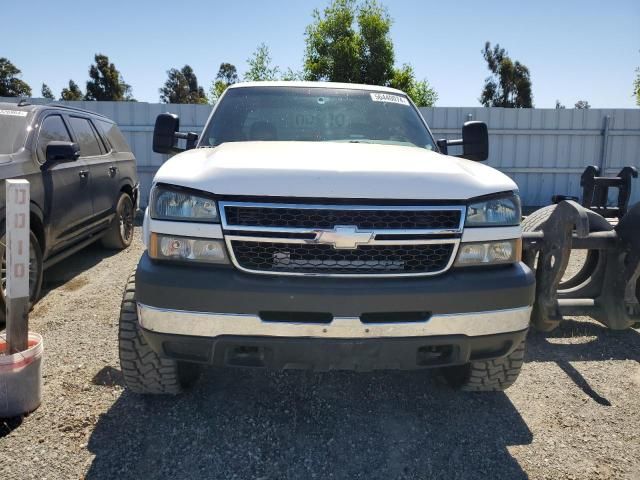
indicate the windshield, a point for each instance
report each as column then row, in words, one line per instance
column 315, row 115
column 13, row 129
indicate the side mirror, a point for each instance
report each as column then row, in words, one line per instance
column 167, row 124
column 474, row 142
column 59, row 152
column 165, row 134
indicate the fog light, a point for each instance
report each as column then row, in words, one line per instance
column 488, row 253
column 169, row 247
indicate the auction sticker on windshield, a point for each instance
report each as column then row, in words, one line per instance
column 13, row 113
column 389, row 98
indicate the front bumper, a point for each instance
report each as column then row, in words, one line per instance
column 226, row 317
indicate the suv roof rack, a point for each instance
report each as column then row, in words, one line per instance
column 83, row 110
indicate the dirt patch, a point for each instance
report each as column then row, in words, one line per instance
column 75, row 284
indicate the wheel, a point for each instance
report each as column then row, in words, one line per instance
column 144, row 371
column 120, row 233
column 35, row 273
column 487, row 375
column 595, row 260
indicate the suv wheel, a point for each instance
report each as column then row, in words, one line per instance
column 35, row 272
column 120, row 233
column 487, row 375
column 144, row 371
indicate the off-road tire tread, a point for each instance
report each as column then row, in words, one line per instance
column 494, row 375
column 144, row 371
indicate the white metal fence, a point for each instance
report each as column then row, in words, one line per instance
column 546, row 150
column 543, row 150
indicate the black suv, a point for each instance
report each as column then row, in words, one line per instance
column 83, row 179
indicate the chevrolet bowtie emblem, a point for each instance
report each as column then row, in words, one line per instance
column 344, row 237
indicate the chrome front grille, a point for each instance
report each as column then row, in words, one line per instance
column 341, row 240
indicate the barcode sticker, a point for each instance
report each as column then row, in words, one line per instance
column 13, row 113
column 389, row 98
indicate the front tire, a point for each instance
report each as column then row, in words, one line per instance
column 120, row 233
column 144, row 371
column 35, row 273
column 487, row 375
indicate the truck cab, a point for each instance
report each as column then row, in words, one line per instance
column 321, row 226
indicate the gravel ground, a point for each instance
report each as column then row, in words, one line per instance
column 572, row 414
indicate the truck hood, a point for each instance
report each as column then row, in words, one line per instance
column 331, row 170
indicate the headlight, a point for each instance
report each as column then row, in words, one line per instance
column 489, row 253
column 171, row 247
column 502, row 211
column 175, row 204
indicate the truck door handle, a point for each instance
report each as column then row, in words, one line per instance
column 113, row 171
column 83, row 173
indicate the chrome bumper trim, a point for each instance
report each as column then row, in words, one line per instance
column 201, row 324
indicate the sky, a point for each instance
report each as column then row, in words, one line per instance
column 575, row 50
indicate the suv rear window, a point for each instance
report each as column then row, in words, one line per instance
column 13, row 130
column 86, row 137
column 114, row 135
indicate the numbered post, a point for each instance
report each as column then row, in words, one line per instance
column 17, row 253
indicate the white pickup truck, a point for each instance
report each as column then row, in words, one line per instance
column 320, row 226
